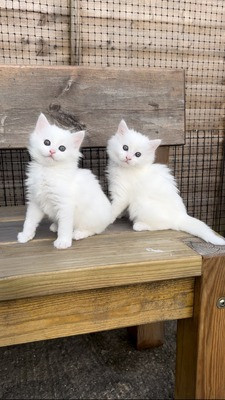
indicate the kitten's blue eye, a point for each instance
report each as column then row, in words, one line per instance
column 47, row 142
column 62, row 148
column 125, row 147
column 138, row 154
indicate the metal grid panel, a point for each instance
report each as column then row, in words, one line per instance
column 199, row 167
column 199, row 172
column 13, row 164
column 35, row 32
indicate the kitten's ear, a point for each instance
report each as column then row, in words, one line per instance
column 78, row 138
column 122, row 128
column 154, row 144
column 42, row 123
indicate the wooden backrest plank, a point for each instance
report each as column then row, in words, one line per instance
column 94, row 99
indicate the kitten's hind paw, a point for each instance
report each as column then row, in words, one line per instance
column 78, row 235
column 62, row 243
column 53, row 227
column 140, row 226
column 24, row 238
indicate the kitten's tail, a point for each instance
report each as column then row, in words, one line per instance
column 200, row 229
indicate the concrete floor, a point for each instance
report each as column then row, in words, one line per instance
column 102, row 365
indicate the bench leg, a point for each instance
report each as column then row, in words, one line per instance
column 200, row 370
column 147, row 335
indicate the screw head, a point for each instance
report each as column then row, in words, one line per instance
column 221, row 302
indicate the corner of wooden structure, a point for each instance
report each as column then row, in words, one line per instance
column 200, row 366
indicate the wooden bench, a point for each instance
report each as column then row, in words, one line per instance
column 120, row 278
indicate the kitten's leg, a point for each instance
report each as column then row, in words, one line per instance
column 65, row 229
column 53, row 227
column 34, row 216
column 141, row 226
column 79, row 234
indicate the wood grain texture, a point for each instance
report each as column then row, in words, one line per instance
column 30, row 37
column 126, row 34
column 117, row 257
column 162, row 155
column 50, row 7
column 68, row 314
column 147, row 336
column 200, row 345
column 203, row 248
column 104, row 34
column 145, row 11
column 94, row 99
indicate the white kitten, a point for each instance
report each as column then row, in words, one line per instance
column 148, row 190
column 71, row 197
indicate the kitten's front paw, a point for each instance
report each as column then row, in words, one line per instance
column 24, row 238
column 53, row 227
column 62, row 243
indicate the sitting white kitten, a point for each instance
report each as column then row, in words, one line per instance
column 148, row 190
column 71, row 197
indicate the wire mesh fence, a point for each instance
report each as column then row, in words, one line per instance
column 187, row 34
column 199, row 170
column 199, row 173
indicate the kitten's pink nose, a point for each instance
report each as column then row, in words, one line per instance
column 128, row 158
column 52, row 152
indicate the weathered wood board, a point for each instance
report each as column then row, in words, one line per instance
column 117, row 257
column 94, row 99
column 200, row 340
column 47, row 317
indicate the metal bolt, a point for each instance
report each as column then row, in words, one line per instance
column 221, row 302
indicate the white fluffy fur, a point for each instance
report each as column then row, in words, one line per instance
column 148, row 190
column 71, row 197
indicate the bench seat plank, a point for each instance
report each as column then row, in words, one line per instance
column 115, row 258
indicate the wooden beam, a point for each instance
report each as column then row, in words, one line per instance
column 200, row 340
column 46, row 317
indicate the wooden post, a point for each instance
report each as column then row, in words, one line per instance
column 201, row 339
column 150, row 335
column 147, row 335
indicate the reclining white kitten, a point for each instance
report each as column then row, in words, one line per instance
column 148, row 190
column 71, row 197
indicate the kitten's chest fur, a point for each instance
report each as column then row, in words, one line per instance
column 151, row 181
column 48, row 187
column 130, row 179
